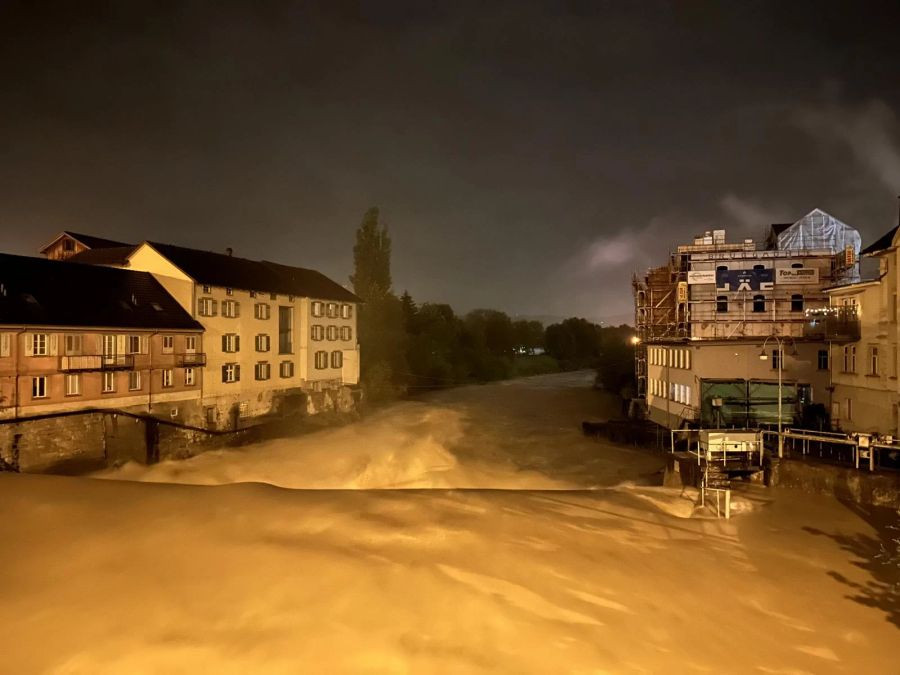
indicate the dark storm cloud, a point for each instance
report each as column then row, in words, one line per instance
column 527, row 156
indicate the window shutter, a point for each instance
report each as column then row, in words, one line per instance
column 29, row 345
column 53, row 347
column 237, row 309
column 237, row 343
column 145, row 344
column 214, row 307
column 120, row 344
column 237, row 373
column 224, row 343
column 224, row 373
column 4, row 344
column 200, row 307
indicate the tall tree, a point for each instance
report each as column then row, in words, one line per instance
column 371, row 278
column 382, row 336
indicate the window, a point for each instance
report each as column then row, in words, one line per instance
column 168, row 344
column 797, row 266
column 346, row 333
column 73, row 345
column 346, row 311
column 796, row 302
column 40, row 344
column 273, row 296
column 822, row 362
column 321, row 360
column 873, row 360
column 39, row 387
column 850, row 359
column 286, row 369
column 166, row 377
column 331, row 310
column 721, row 303
column 337, row 359
column 759, row 303
column 190, row 377
column 229, row 291
column 231, row 372
column 332, row 333
column 285, row 330
column 134, row 380
column 263, row 371
column 206, row 307
column 132, row 344
column 190, row 344
column 290, row 298
column 207, row 289
column 776, row 358
column 231, row 309
column 252, row 294
column 317, row 308
column 231, row 343
column 262, row 343
column 73, row 384
column 109, row 382
column 721, row 268
column 759, row 267
column 317, row 333
column 849, row 409
column 4, row 344
column 261, row 311
column 68, row 245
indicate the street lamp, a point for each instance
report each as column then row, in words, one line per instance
column 764, row 357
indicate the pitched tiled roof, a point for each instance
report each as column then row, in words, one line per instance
column 35, row 291
column 218, row 269
column 114, row 255
column 884, row 242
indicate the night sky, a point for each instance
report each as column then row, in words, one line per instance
column 526, row 156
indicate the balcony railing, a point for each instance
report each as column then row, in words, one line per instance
column 196, row 359
column 88, row 362
column 835, row 324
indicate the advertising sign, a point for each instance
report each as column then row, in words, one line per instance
column 702, row 277
column 797, row 275
column 745, row 280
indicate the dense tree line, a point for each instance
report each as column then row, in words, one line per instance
column 407, row 346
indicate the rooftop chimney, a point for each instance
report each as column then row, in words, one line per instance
column 229, row 251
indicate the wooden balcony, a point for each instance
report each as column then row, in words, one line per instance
column 94, row 362
column 193, row 360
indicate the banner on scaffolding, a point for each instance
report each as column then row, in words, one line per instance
column 797, row 275
column 745, row 280
column 702, row 277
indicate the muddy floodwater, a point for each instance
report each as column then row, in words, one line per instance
column 471, row 531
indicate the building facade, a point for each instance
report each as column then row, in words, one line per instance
column 864, row 366
column 74, row 337
column 720, row 321
column 276, row 334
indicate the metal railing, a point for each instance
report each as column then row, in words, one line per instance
column 89, row 362
column 190, row 360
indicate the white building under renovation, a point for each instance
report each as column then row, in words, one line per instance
column 721, row 320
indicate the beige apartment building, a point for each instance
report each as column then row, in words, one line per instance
column 74, row 337
column 275, row 334
column 864, row 370
column 706, row 318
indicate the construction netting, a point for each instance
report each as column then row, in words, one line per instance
column 818, row 230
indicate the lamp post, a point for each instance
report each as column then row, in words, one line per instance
column 764, row 357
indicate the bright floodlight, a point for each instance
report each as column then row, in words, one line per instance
column 635, row 340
